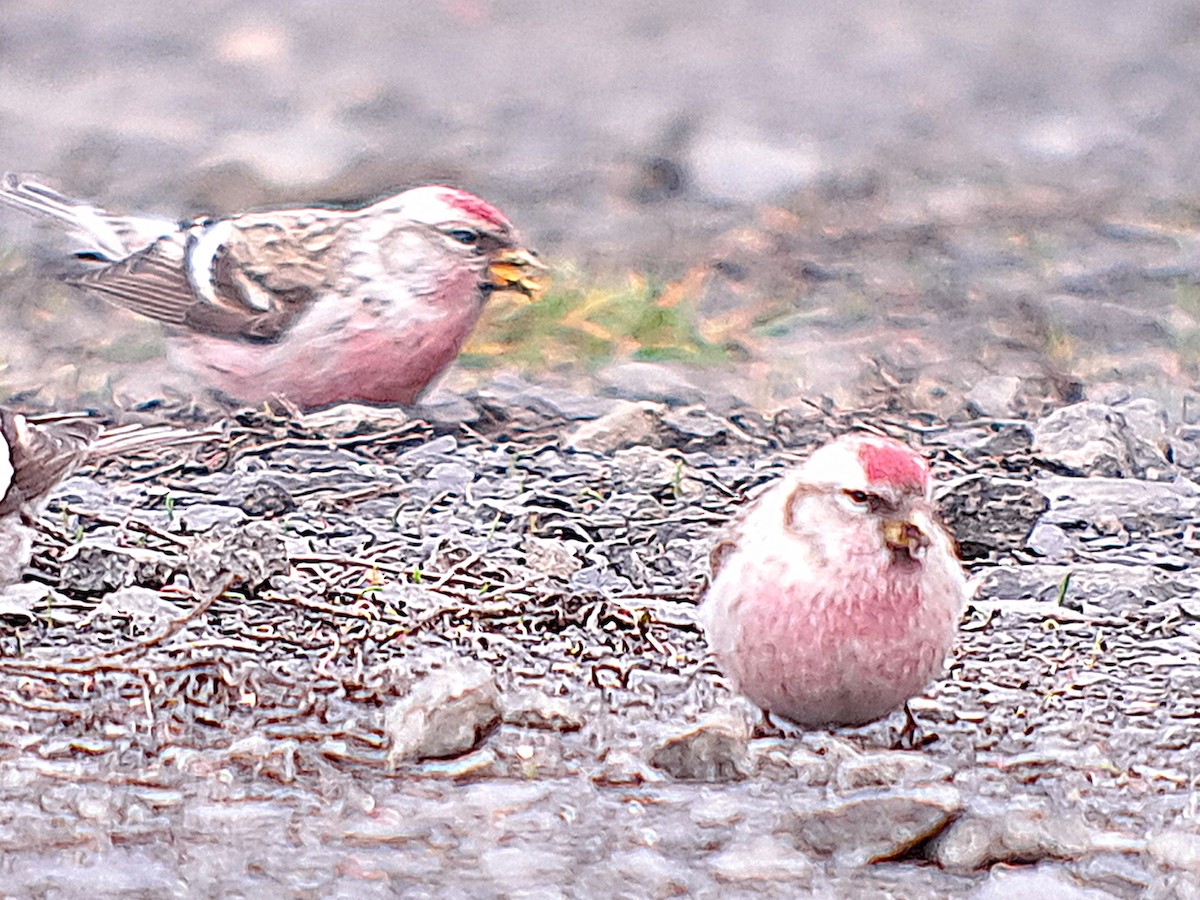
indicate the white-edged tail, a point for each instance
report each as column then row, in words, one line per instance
column 122, row 439
column 99, row 236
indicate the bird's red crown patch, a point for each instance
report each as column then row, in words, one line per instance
column 892, row 463
column 474, row 207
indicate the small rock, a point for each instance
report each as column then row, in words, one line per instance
column 443, row 407
column 716, row 809
column 988, row 514
column 480, row 764
column 439, row 450
column 537, row 709
column 18, row 602
column 1030, row 884
column 714, row 750
column 100, row 567
column 1093, row 439
column 347, row 419
column 876, row 825
column 995, row 396
column 629, row 425
column 1049, row 541
column 621, row 768
column 550, row 556
column 447, row 713
column 236, row 556
column 204, row 516
column 1013, row 835
column 761, row 858
column 1176, row 850
column 888, row 770
column 266, row 497
column 144, row 609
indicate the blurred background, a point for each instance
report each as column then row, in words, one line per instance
column 947, row 206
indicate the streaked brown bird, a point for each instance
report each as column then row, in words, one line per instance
column 315, row 304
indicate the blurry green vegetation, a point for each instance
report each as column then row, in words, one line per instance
column 586, row 321
column 1187, row 340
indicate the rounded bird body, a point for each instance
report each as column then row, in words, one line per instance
column 837, row 596
column 320, row 305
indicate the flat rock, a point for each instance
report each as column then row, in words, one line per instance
column 1033, row 884
column 759, row 858
column 1091, row 438
column 1104, row 586
column 1012, row 835
column 875, row 825
column 644, row 381
column 881, row 770
column 1080, row 502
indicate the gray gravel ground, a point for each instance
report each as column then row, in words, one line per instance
column 960, row 220
column 461, row 657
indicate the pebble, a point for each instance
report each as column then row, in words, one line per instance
column 445, row 714
column 714, row 749
column 238, row 556
column 630, row 424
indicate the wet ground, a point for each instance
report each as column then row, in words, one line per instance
column 957, row 220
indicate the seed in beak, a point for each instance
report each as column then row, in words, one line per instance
column 902, row 535
column 519, row 270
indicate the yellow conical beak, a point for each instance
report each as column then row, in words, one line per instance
column 899, row 534
column 519, row 270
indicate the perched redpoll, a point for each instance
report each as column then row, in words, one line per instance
column 838, row 594
column 37, row 453
column 319, row 305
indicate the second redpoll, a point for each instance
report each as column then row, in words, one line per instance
column 837, row 596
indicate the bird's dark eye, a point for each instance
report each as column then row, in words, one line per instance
column 466, row 236
column 860, row 497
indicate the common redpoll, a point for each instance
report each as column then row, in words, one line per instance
column 838, row 594
column 37, row 453
column 320, row 305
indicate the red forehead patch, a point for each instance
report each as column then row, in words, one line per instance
column 892, row 463
column 474, row 207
